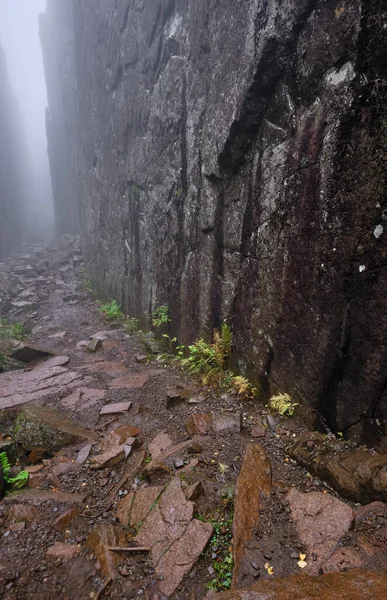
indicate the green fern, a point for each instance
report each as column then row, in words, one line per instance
column 16, row 482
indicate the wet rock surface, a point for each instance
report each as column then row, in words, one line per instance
column 243, row 159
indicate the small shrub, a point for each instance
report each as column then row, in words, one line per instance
column 210, row 359
column 243, row 387
column 12, row 482
column 160, row 316
column 111, row 311
column 282, row 404
column 8, row 331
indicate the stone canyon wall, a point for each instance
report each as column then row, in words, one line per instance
column 12, row 164
column 229, row 159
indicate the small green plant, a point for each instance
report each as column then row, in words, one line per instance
column 8, row 331
column 160, row 316
column 172, row 349
column 12, row 482
column 210, row 359
column 223, row 564
column 111, row 311
column 282, row 404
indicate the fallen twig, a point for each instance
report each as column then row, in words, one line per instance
column 103, row 588
column 132, row 549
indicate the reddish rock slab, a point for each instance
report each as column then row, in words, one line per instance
column 116, row 408
column 199, row 423
column 160, row 459
column 121, row 435
column 22, row 513
column 167, row 522
column 354, row 585
column 124, row 508
column 161, row 442
column 129, row 382
column 65, row 519
column 144, row 501
column 182, row 555
column 321, row 520
column 114, row 369
column 133, row 467
column 82, row 398
column 56, row 361
column 62, row 551
column 20, row 388
column 254, row 481
column 258, row 431
column 100, row 540
column 110, row 458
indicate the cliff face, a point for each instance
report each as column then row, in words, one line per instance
column 232, row 164
column 11, row 167
column 57, row 41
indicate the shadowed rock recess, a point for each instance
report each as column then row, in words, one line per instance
column 230, row 161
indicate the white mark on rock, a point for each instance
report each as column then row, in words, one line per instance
column 362, row 268
column 378, row 231
column 346, row 74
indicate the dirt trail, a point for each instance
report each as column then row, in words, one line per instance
column 144, row 477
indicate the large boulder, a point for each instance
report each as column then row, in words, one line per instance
column 39, row 426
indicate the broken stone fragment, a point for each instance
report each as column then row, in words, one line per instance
column 321, row 520
column 100, row 540
column 116, row 408
column 161, row 442
column 64, row 520
column 141, row 358
column 93, row 346
column 199, row 423
column 129, row 382
column 194, row 491
column 81, row 345
column 110, row 458
column 83, row 454
column 62, row 551
column 40, row 426
column 182, row 555
column 231, row 422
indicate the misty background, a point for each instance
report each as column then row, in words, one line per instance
column 19, row 38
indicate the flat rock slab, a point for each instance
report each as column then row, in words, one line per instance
column 62, row 551
column 129, row 382
column 83, row 454
column 321, row 520
column 82, row 398
column 110, row 458
column 158, row 462
column 56, row 361
column 199, row 423
column 182, row 556
column 114, row 369
column 43, row 427
column 116, row 408
column 254, row 481
column 167, row 522
column 20, row 388
column 161, row 442
column 100, row 540
column 135, row 507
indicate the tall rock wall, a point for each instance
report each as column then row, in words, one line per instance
column 12, row 163
column 57, row 41
column 231, row 163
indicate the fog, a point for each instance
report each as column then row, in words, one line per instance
column 19, row 37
